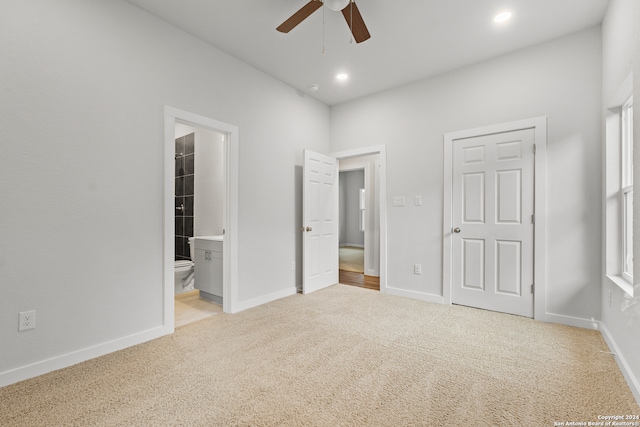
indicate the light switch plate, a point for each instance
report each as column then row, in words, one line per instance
column 417, row 268
column 399, row 201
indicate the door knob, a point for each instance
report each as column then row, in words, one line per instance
column 456, row 230
column 309, row 229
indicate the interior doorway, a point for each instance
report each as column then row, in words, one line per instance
column 492, row 216
column 200, row 198
column 320, row 196
column 469, row 269
column 359, row 243
column 351, row 205
column 174, row 119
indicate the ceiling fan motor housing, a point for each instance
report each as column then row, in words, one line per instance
column 351, row 15
column 336, row 5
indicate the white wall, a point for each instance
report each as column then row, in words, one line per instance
column 350, row 184
column 561, row 80
column 83, row 89
column 621, row 56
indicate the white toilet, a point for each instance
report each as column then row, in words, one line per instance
column 183, row 272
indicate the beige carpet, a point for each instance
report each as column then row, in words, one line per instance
column 352, row 259
column 343, row 356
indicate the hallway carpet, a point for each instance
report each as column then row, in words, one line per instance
column 342, row 356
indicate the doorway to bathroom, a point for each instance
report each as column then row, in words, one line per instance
column 200, row 226
column 200, row 182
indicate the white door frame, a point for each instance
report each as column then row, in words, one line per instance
column 230, row 243
column 382, row 200
column 539, row 125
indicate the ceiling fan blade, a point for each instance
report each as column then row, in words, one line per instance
column 299, row 16
column 355, row 22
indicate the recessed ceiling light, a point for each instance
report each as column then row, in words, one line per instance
column 342, row 76
column 503, row 16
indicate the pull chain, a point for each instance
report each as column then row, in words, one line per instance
column 351, row 21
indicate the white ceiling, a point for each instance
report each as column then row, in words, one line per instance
column 410, row 39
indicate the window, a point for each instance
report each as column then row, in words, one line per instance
column 618, row 197
column 626, row 191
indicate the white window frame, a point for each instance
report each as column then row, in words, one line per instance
column 626, row 192
column 618, row 186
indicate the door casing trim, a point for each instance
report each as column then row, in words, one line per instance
column 539, row 125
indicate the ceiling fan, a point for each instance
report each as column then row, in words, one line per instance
column 349, row 11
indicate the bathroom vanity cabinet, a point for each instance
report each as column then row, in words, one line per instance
column 208, row 267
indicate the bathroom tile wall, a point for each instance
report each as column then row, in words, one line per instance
column 184, row 194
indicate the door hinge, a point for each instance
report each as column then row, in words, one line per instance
column 533, row 288
column 534, row 148
column 533, row 218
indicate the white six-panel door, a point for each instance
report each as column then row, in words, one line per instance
column 320, row 221
column 492, row 224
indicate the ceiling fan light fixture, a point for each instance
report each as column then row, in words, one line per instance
column 336, row 5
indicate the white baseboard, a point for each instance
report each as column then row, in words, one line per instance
column 438, row 299
column 254, row 302
column 578, row 322
column 632, row 382
column 44, row 366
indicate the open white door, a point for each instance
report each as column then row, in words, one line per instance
column 319, row 221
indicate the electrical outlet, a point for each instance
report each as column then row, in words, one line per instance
column 293, row 266
column 27, row 320
column 417, row 200
column 417, row 268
